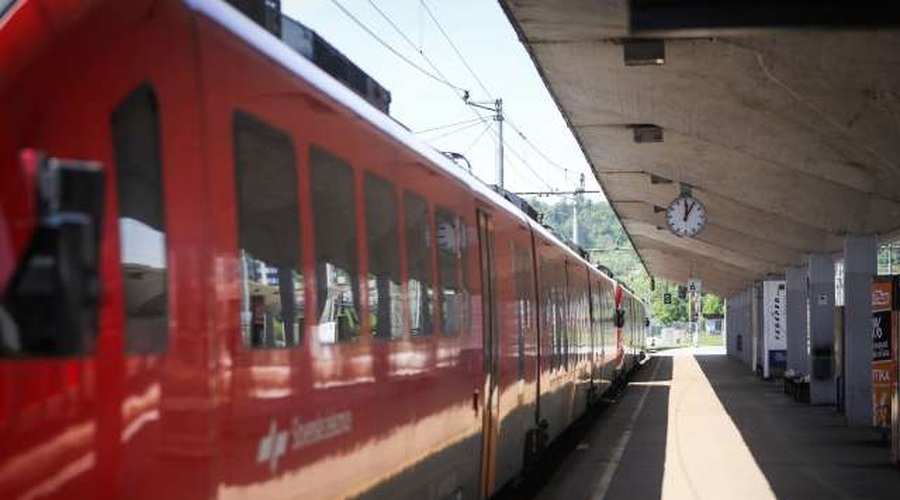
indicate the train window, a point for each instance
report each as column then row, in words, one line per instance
column 574, row 314
column 571, row 313
column 466, row 284
column 586, row 318
column 524, row 304
column 597, row 312
column 268, row 234
column 4, row 5
column 337, row 275
column 545, row 305
column 142, row 232
column 609, row 313
column 563, row 313
column 451, row 240
column 553, row 286
column 385, row 298
column 418, row 263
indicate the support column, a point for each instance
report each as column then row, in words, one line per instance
column 738, row 320
column 746, row 330
column 738, row 317
column 756, row 327
column 797, row 341
column 821, row 330
column 730, row 348
column 860, row 261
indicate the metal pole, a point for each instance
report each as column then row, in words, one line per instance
column 577, row 193
column 890, row 258
column 575, row 221
column 498, row 117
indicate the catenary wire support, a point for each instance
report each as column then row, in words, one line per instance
column 497, row 108
column 576, row 201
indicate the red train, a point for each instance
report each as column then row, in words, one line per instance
column 226, row 276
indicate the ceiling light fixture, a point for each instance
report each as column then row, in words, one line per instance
column 646, row 132
column 644, row 51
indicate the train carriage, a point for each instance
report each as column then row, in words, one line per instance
column 224, row 275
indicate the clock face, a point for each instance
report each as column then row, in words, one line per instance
column 686, row 216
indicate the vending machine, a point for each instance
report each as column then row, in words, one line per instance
column 885, row 340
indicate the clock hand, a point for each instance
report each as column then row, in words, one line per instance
column 687, row 209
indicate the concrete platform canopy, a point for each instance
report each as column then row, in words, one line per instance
column 787, row 135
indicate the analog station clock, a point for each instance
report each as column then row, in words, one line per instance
column 686, row 216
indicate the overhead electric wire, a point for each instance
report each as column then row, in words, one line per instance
column 460, row 129
column 394, row 51
column 418, row 49
column 440, row 77
column 441, row 127
column 394, row 25
column 524, row 162
column 537, row 149
column 534, row 147
column 521, row 157
column 534, row 173
column 453, row 46
column 488, row 92
column 472, row 145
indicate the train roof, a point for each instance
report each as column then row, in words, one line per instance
column 271, row 46
column 275, row 49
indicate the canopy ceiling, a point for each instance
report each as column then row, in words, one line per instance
column 788, row 136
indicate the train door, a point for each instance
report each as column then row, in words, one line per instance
column 619, row 322
column 491, row 335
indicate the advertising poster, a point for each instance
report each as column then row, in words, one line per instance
column 882, row 364
column 774, row 328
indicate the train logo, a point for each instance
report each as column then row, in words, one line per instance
column 272, row 446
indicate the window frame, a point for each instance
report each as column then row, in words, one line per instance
column 460, row 272
column 398, row 240
column 161, row 346
column 251, row 120
column 430, row 259
column 354, row 253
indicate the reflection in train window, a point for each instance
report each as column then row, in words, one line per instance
column 464, row 242
column 452, row 245
column 418, row 263
column 524, row 281
column 598, row 315
column 584, row 332
column 576, row 312
column 142, row 231
column 268, row 235
column 382, row 234
column 561, row 304
column 334, row 224
column 548, row 311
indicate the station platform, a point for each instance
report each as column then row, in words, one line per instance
column 695, row 424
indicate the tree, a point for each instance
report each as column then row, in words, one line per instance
column 712, row 306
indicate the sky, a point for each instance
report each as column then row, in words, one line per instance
column 493, row 64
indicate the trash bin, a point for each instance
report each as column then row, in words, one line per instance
column 802, row 394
